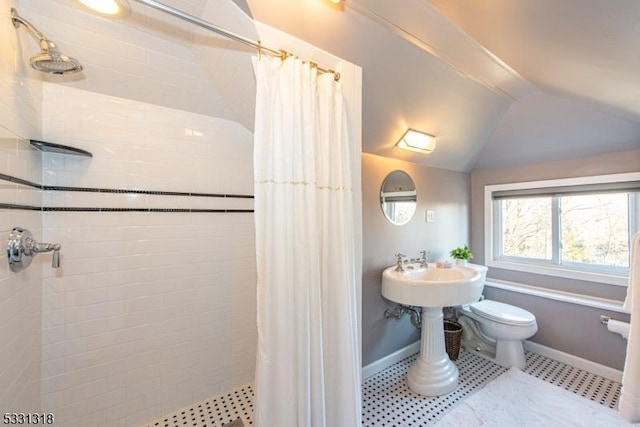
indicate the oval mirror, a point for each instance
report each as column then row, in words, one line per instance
column 398, row 197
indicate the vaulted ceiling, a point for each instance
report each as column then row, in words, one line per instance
column 500, row 83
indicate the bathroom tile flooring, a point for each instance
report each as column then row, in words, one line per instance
column 387, row 401
column 214, row 412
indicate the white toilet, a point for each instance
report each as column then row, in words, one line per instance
column 495, row 331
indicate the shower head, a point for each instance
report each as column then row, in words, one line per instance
column 50, row 59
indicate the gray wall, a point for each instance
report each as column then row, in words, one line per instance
column 443, row 191
column 566, row 327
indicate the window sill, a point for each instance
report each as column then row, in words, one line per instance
column 561, row 272
column 568, row 297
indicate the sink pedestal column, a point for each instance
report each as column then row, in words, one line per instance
column 433, row 373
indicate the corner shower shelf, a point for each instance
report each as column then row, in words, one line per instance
column 49, row 147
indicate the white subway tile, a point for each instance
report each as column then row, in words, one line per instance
column 143, row 305
column 123, row 409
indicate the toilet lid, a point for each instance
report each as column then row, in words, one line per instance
column 502, row 313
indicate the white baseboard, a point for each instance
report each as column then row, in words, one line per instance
column 379, row 365
column 578, row 362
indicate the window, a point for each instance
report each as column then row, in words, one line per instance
column 526, row 227
column 578, row 228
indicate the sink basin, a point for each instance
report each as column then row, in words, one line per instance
column 432, row 286
column 432, row 373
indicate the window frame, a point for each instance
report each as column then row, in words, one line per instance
column 492, row 232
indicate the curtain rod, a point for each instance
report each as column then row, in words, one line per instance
column 221, row 31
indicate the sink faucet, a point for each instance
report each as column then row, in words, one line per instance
column 399, row 259
column 424, row 259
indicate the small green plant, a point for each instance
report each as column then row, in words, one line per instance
column 462, row 252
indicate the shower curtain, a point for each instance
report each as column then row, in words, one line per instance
column 307, row 369
column 629, row 404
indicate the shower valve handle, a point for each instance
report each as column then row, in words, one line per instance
column 55, row 259
column 48, row 247
column 21, row 248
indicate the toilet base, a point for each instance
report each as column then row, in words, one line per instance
column 505, row 352
column 510, row 353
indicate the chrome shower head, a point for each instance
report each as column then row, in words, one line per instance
column 50, row 59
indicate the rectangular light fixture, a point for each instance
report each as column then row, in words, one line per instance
column 419, row 142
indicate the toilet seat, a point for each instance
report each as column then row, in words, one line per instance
column 503, row 313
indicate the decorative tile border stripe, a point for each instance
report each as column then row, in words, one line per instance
column 49, row 209
column 16, row 180
column 148, row 192
column 19, row 207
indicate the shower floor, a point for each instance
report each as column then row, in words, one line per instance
column 387, row 401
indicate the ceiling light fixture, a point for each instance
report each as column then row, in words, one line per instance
column 336, row 4
column 107, row 7
column 419, row 142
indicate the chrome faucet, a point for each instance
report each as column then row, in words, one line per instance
column 399, row 260
column 423, row 259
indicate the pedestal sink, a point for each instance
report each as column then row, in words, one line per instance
column 433, row 373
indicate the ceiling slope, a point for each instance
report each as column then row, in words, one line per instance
column 228, row 63
column 403, row 85
column 499, row 83
column 584, row 49
column 543, row 128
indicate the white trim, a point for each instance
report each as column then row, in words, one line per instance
column 381, row 364
column 575, row 361
column 583, row 180
column 489, row 232
column 562, row 296
column 578, row 362
column 554, row 271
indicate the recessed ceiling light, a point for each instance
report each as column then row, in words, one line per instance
column 107, row 7
column 419, row 142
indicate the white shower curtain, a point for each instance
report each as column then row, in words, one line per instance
column 307, row 369
column 629, row 404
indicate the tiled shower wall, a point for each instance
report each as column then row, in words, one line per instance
column 150, row 310
column 20, row 293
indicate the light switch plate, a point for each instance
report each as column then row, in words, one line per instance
column 430, row 216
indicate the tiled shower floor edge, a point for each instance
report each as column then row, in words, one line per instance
column 212, row 412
